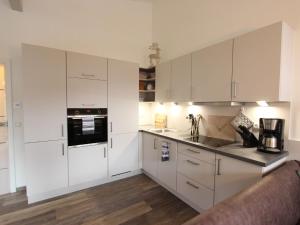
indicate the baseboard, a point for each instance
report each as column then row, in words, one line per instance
column 78, row 187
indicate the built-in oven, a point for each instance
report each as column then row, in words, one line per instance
column 87, row 126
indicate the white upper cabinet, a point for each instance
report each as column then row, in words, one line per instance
column 163, row 79
column 212, row 72
column 85, row 93
column 123, row 96
column 86, row 66
column 262, row 64
column 181, row 79
column 45, row 105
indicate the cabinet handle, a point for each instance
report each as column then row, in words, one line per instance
column 104, row 152
column 89, row 105
column 192, row 185
column 193, row 151
column 62, row 130
column 111, row 129
column 111, row 143
column 234, row 85
column 154, row 143
column 63, row 149
column 192, row 162
column 88, row 75
column 218, row 167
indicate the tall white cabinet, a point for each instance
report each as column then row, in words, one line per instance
column 44, row 94
column 45, row 127
column 122, row 117
column 55, row 80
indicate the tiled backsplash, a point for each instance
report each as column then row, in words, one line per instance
column 216, row 119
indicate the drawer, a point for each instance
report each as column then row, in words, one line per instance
column 199, row 171
column 197, row 153
column 195, row 192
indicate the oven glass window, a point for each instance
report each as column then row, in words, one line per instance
column 87, row 130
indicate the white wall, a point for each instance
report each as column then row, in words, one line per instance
column 120, row 29
column 181, row 27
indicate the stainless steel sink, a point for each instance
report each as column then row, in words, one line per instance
column 157, row 130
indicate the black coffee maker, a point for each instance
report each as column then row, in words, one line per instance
column 271, row 135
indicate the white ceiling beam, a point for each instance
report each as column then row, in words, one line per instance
column 16, row 5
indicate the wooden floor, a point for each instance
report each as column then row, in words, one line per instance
column 133, row 201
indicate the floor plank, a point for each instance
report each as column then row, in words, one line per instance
column 133, row 201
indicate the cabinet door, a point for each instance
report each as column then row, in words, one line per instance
column 85, row 93
column 123, row 96
column 45, row 105
column 167, row 169
column 163, row 82
column 123, row 153
column 86, row 66
column 87, row 163
column 257, row 65
column 3, row 156
column 181, row 79
column 232, row 176
column 150, row 154
column 212, row 73
column 46, row 166
column 4, row 181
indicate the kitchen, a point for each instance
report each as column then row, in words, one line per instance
column 97, row 132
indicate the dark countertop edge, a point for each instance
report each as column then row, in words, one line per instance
column 222, row 152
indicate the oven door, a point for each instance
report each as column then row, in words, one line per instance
column 87, row 130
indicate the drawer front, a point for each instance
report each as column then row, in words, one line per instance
column 195, row 192
column 200, row 171
column 86, row 66
column 197, row 153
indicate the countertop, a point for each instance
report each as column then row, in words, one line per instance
column 237, row 151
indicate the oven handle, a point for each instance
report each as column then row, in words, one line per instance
column 84, row 116
column 83, row 145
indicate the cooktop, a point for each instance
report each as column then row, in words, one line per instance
column 210, row 141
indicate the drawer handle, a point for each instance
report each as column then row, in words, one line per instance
column 88, row 75
column 192, row 150
column 192, row 162
column 192, row 185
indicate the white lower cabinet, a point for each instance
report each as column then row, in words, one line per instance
column 150, row 154
column 87, row 163
column 166, row 170
column 199, row 177
column 4, row 181
column 123, row 154
column 46, row 166
column 233, row 176
column 194, row 192
column 3, row 156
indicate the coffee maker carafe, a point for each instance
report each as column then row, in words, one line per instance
column 271, row 135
